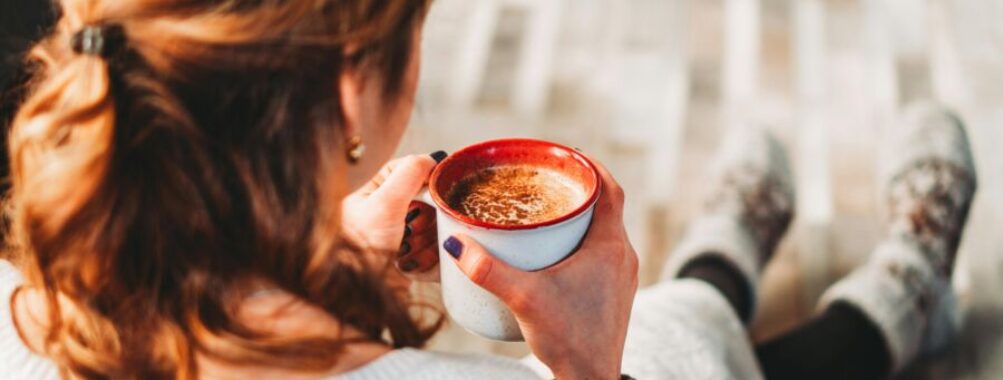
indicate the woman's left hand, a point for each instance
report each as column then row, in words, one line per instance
column 381, row 215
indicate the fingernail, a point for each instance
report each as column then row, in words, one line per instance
column 408, row 265
column 405, row 249
column 438, row 156
column 407, row 231
column 454, row 247
column 411, row 215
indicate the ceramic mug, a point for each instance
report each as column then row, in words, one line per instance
column 528, row 247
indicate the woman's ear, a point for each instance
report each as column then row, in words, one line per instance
column 350, row 92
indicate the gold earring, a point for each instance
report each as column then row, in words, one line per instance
column 355, row 149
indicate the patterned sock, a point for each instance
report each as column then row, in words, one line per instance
column 905, row 288
column 743, row 219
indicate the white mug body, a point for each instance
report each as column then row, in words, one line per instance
column 476, row 309
column 528, row 247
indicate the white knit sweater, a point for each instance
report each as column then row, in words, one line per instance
column 680, row 329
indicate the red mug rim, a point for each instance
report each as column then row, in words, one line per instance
column 578, row 156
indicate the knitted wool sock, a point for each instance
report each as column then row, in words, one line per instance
column 904, row 288
column 743, row 219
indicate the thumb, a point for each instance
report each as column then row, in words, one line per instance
column 405, row 179
column 488, row 272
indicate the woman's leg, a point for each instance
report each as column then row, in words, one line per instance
column 723, row 277
column 899, row 304
column 692, row 327
column 841, row 343
column 749, row 208
column 745, row 217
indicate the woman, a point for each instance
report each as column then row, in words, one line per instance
column 179, row 204
column 181, row 209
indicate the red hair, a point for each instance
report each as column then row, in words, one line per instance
column 150, row 187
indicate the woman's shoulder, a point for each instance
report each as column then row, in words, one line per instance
column 412, row 364
column 16, row 360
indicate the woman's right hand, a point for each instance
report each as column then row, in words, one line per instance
column 574, row 314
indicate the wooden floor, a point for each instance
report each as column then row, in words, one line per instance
column 828, row 92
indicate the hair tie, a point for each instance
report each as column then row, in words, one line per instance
column 102, row 41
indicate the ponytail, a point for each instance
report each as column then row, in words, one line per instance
column 170, row 153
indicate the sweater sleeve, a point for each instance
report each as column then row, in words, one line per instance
column 17, row 362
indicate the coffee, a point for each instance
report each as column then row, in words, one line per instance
column 516, row 195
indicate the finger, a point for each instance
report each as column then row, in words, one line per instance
column 485, row 270
column 424, row 219
column 610, row 191
column 381, row 176
column 421, row 240
column 607, row 218
column 427, row 265
column 420, row 260
column 404, row 180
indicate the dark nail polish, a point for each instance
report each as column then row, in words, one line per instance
column 438, row 156
column 454, row 247
column 405, row 249
column 407, row 231
column 412, row 215
column 408, row 265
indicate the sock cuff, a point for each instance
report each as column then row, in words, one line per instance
column 898, row 292
column 722, row 237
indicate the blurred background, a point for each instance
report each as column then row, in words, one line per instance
column 650, row 86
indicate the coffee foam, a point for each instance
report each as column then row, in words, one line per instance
column 516, row 195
